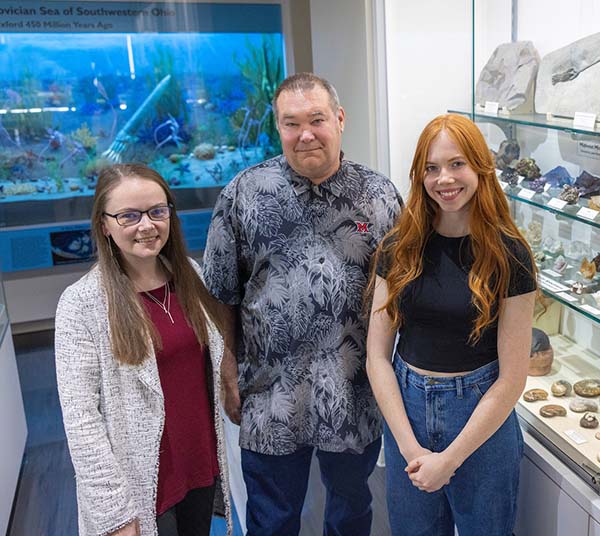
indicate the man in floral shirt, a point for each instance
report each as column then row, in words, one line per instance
column 288, row 251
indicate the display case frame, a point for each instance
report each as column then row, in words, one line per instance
column 573, row 320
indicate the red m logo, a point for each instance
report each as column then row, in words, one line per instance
column 362, row 226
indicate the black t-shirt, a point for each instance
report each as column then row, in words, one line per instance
column 438, row 315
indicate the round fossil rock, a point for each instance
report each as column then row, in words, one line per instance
column 535, row 394
column 580, row 405
column 553, row 410
column 561, row 388
column 597, row 435
column 541, row 353
column 588, row 421
column 588, row 388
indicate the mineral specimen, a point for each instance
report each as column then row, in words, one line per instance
column 560, row 264
column 508, row 152
column 587, row 184
column 587, row 388
column 588, row 421
column 535, row 394
column 570, row 194
column 579, row 405
column 553, row 410
column 587, row 268
column 510, row 176
column 561, row 388
column 528, row 168
column 552, row 245
column 541, row 357
column 594, row 202
column 558, row 177
column 534, row 234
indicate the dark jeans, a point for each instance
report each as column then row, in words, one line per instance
column 190, row 517
column 277, row 486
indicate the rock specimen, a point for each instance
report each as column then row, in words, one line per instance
column 508, row 153
column 558, row 177
column 508, row 77
column 535, row 394
column 561, row 388
column 537, row 185
column 541, row 357
column 568, row 79
column 588, row 421
column 579, row 405
column 552, row 245
column 534, row 234
column 587, row 184
column 526, row 167
column 594, row 203
column 553, row 410
column 570, row 194
column 587, row 268
column 510, row 175
column 560, row 264
column 587, row 388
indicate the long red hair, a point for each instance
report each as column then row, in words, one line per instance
column 490, row 224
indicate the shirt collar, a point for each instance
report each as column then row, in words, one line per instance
column 334, row 184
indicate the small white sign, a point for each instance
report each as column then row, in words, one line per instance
column 491, row 107
column 555, row 202
column 576, row 437
column 590, row 149
column 550, row 284
column 584, row 120
column 503, row 185
column 567, row 297
column 546, row 187
column 526, row 193
column 587, row 213
column 551, row 272
column 520, row 179
column 591, row 309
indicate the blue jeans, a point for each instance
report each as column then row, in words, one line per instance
column 277, row 486
column 481, row 497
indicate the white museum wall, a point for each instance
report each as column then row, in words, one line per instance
column 428, row 71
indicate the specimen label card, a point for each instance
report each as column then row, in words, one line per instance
column 590, row 309
column 575, row 436
column 567, row 297
column 491, row 107
column 587, row 213
column 584, row 120
column 555, row 202
column 503, row 185
column 526, row 193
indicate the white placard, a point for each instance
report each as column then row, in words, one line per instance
column 503, row 185
column 567, row 297
column 526, row 193
column 491, row 107
column 555, row 202
column 587, row 213
column 546, row 187
column 550, row 284
column 576, row 437
column 584, row 120
column 551, row 272
column 590, row 309
column 520, row 179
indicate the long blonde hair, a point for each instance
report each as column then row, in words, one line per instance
column 132, row 333
column 490, row 225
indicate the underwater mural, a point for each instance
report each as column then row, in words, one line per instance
column 184, row 88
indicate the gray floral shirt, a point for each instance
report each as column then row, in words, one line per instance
column 295, row 257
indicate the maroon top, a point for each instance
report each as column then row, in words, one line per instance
column 188, row 449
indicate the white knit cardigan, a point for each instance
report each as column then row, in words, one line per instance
column 114, row 415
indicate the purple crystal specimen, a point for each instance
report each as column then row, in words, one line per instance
column 558, row 177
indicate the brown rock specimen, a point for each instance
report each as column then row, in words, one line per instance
column 553, row 410
column 588, row 421
column 535, row 394
column 588, row 388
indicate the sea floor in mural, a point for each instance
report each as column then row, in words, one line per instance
column 179, row 170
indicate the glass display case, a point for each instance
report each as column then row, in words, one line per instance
column 184, row 87
column 536, row 98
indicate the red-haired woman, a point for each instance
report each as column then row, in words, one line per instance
column 455, row 281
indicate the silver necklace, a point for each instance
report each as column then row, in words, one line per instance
column 165, row 305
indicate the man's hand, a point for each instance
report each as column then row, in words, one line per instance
column 131, row 529
column 230, row 398
column 430, row 472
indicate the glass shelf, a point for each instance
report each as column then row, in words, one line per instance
column 533, row 120
column 541, row 201
column 559, row 289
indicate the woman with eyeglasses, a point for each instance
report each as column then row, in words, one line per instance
column 138, row 353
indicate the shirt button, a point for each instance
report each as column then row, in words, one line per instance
column 322, row 260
